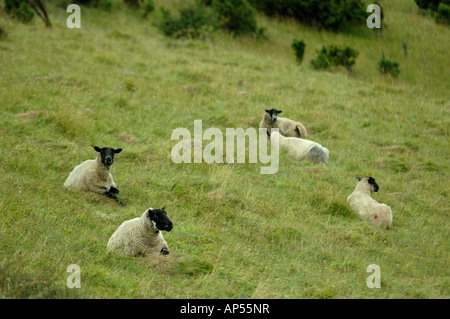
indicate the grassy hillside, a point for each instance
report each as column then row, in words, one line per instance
column 118, row 81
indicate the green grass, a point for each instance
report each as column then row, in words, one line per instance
column 118, row 81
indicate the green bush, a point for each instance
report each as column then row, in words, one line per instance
column 329, row 14
column 321, row 62
column 443, row 13
column 19, row 10
column 101, row 4
column 191, row 23
column 335, row 56
column 428, row 4
column 149, row 7
column 440, row 9
column 299, row 49
column 385, row 66
column 237, row 16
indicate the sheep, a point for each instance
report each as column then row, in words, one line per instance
column 301, row 149
column 286, row 126
column 141, row 236
column 366, row 207
column 95, row 175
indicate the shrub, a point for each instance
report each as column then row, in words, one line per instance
column 299, row 48
column 149, row 7
column 19, row 10
column 443, row 13
column 237, row 16
column 191, row 23
column 385, row 66
column 428, row 4
column 101, row 4
column 335, row 56
column 440, row 9
column 321, row 62
column 329, row 14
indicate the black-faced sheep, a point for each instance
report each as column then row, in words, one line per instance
column 95, row 175
column 366, row 207
column 142, row 236
column 301, row 149
column 286, row 126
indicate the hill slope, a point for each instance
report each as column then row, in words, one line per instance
column 237, row 234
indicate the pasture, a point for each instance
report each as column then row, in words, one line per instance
column 119, row 82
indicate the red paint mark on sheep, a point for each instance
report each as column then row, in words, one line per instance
column 376, row 216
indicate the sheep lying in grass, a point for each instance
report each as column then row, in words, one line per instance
column 286, row 126
column 367, row 208
column 95, row 175
column 301, row 149
column 141, row 236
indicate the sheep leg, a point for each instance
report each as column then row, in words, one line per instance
column 113, row 196
column 113, row 190
column 297, row 130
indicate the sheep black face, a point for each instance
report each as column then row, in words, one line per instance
column 273, row 113
column 374, row 185
column 107, row 154
column 159, row 217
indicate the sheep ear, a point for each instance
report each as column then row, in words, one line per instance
column 151, row 214
column 267, row 111
column 98, row 149
column 358, row 178
column 118, row 150
column 279, row 112
column 163, row 208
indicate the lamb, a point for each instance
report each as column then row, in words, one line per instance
column 301, row 149
column 366, row 207
column 141, row 236
column 95, row 175
column 286, row 126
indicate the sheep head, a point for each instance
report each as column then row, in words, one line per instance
column 107, row 154
column 373, row 185
column 371, row 181
column 273, row 114
column 160, row 219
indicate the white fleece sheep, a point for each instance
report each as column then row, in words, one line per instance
column 286, row 126
column 141, row 236
column 366, row 207
column 301, row 149
column 95, row 175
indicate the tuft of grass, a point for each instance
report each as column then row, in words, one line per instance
column 237, row 233
column 69, row 121
column 3, row 33
column 31, row 286
column 385, row 66
column 192, row 267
